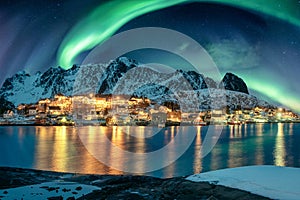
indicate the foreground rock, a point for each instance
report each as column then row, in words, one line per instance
column 124, row 187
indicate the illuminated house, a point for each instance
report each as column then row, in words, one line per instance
column 133, row 102
column 142, row 115
column 63, row 102
column 218, row 116
column 118, row 100
column 43, row 105
column 174, row 116
column 21, row 109
column 32, row 110
column 55, row 110
column 59, row 105
column 8, row 114
column 119, row 104
column 247, row 115
column 101, row 103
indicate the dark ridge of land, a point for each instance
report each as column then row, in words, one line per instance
column 115, row 187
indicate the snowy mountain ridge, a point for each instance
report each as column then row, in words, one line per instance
column 125, row 76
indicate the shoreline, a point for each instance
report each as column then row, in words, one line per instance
column 119, row 186
column 91, row 124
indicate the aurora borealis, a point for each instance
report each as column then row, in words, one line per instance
column 100, row 24
column 257, row 40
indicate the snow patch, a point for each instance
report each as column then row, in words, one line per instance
column 269, row 181
column 48, row 189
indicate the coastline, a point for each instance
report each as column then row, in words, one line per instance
column 92, row 124
column 118, row 186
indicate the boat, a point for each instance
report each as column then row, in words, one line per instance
column 234, row 123
column 199, row 122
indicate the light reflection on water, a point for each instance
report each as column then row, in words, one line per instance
column 197, row 159
column 59, row 148
column 279, row 151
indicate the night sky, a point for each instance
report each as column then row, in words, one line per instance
column 257, row 40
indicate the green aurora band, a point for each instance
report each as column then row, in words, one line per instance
column 102, row 23
column 107, row 18
column 274, row 92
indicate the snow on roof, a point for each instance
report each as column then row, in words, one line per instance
column 269, row 181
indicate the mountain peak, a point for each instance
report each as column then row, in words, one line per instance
column 125, row 61
column 22, row 72
column 103, row 79
column 234, row 83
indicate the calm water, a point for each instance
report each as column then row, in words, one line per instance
column 61, row 148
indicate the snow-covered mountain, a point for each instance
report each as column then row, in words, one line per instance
column 126, row 76
column 26, row 88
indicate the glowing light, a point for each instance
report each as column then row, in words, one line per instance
column 279, row 151
column 64, row 120
column 107, row 18
column 279, row 115
column 102, row 23
column 197, row 166
column 274, row 92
